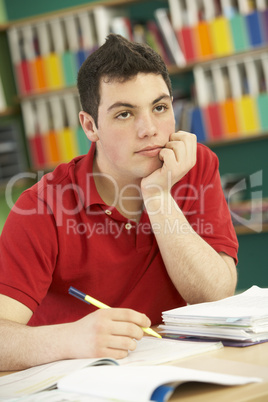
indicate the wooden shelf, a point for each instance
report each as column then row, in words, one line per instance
column 230, row 141
column 4, row 26
column 49, row 92
column 208, row 62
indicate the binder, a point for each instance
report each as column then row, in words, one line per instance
column 51, row 61
column 69, row 64
column 30, row 60
column 253, row 22
column 242, row 84
column 59, row 46
column 212, row 110
column 203, row 32
column 73, row 39
column 226, row 103
column 44, row 124
column 202, row 98
column 58, row 124
column 22, row 73
column 262, row 6
column 13, row 39
column 198, row 125
column 221, row 34
column 41, row 81
column 70, row 110
column 183, row 19
column 262, row 97
column 65, row 140
column 55, row 34
column 237, row 25
column 155, row 34
column 34, row 140
column 81, row 54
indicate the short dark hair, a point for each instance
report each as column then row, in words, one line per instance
column 120, row 60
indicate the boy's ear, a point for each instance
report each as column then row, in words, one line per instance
column 89, row 127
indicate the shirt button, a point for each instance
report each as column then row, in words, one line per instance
column 108, row 212
column 128, row 226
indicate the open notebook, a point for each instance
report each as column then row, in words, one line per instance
column 149, row 351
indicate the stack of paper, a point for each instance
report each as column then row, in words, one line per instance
column 242, row 318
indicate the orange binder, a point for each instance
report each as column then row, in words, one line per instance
column 41, row 82
column 230, row 122
column 203, row 40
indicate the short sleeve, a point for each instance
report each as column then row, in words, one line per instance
column 28, row 251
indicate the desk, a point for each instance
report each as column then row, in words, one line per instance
column 249, row 361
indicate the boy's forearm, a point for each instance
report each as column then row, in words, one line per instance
column 198, row 272
column 24, row 346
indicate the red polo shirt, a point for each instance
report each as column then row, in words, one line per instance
column 60, row 234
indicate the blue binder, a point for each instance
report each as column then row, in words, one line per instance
column 254, row 27
column 197, row 125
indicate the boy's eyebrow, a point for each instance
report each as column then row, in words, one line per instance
column 129, row 105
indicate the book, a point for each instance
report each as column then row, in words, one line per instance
column 150, row 351
column 171, row 41
column 240, row 318
column 146, row 383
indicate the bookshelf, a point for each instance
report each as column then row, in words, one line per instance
column 235, row 151
column 12, row 149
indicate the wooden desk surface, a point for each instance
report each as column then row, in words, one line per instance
column 249, row 361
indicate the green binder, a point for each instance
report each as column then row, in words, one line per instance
column 239, row 33
column 262, row 103
column 69, row 68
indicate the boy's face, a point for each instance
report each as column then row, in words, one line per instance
column 135, row 120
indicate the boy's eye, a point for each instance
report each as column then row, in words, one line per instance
column 160, row 108
column 123, row 115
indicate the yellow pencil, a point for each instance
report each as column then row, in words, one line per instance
column 88, row 299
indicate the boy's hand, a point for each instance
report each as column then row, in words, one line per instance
column 105, row 333
column 178, row 157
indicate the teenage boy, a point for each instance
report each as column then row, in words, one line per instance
column 139, row 223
